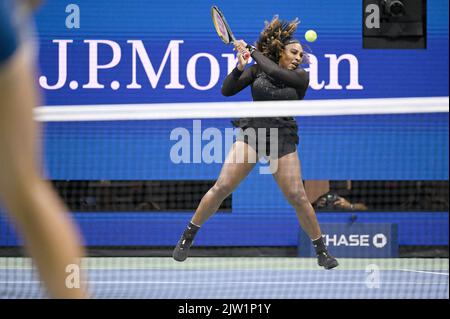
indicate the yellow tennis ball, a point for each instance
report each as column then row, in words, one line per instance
column 311, row 36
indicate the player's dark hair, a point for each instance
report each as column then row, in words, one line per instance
column 276, row 34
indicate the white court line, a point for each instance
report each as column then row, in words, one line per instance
column 236, row 283
column 426, row 272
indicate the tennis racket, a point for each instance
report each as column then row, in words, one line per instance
column 223, row 29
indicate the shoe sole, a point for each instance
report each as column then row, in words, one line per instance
column 178, row 258
column 331, row 266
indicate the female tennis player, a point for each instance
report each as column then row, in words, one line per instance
column 276, row 76
column 48, row 233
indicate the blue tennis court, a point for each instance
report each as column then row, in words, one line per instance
column 245, row 278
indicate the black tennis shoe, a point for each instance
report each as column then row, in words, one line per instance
column 181, row 251
column 327, row 261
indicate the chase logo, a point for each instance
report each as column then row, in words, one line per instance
column 356, row 240
column 379, row 240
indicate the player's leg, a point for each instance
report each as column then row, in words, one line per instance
column 240, row 161
column 48, row 232
column 288, row 177
column 232, row 173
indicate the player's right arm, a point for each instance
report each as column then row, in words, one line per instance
column 238, row 80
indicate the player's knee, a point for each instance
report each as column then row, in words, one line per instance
column 297, row 198
column 222, row 189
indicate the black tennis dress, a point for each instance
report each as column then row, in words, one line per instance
column 269, row 82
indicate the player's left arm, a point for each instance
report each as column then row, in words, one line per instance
column 298, row 79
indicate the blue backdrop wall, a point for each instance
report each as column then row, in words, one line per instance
column 168, row 52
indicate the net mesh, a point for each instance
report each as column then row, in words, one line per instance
column 133, row 175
